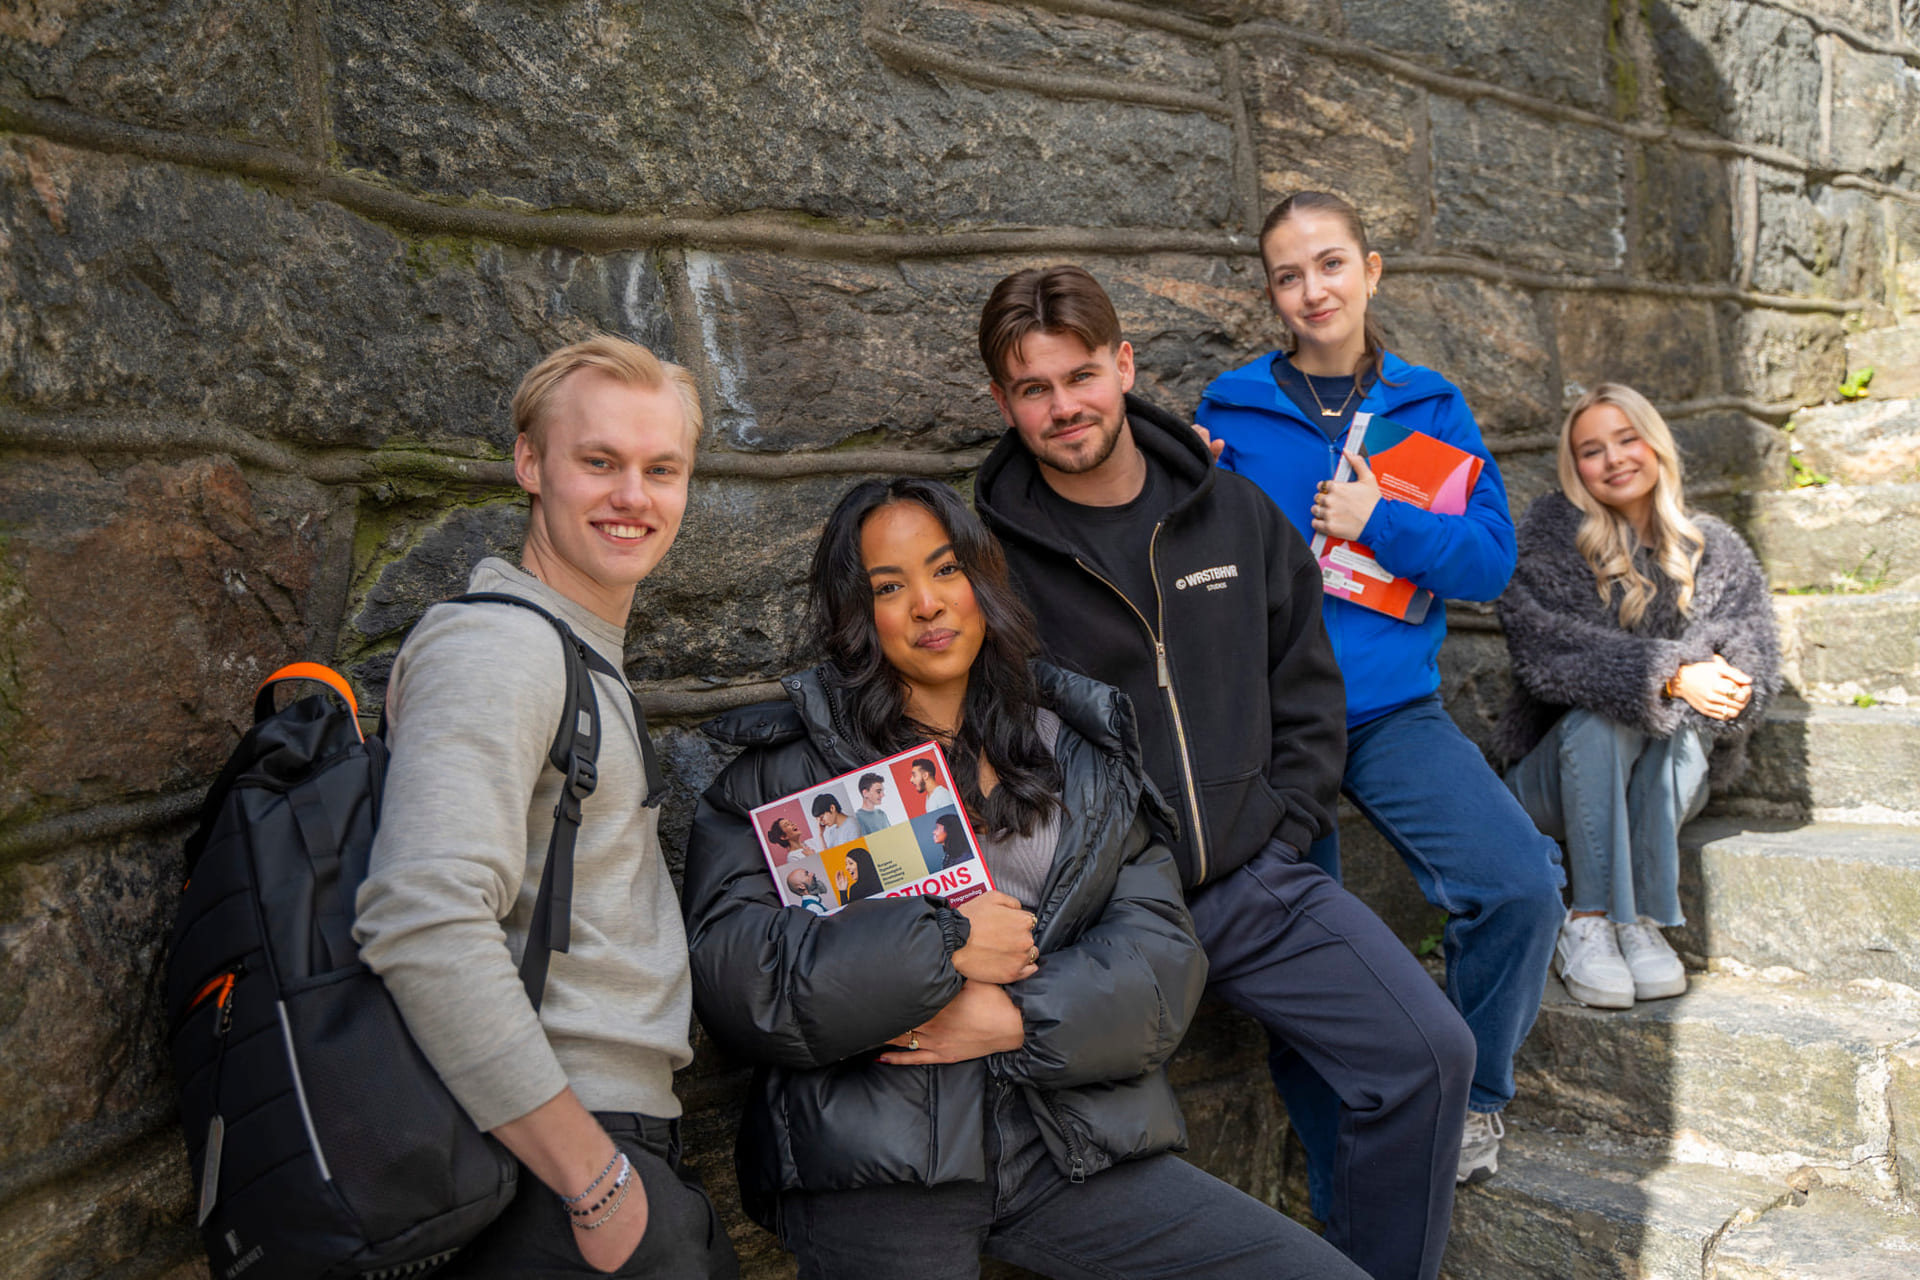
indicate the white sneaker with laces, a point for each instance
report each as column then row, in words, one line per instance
column 1657, row 971
column 1587, row 958
column 1480, row 1147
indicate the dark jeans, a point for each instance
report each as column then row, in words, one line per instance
column 1327, row 979
column 1140, row 1220
column 684, row 1239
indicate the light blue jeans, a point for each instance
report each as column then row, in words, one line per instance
column 1617, row 797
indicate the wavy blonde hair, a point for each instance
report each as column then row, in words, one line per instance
column 1607, row 539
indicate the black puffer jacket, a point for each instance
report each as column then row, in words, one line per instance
column 809, row 1000
column 1569, row 649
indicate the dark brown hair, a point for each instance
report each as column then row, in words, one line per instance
column 1372, row 360
column 998, row 721
column 1063, row 299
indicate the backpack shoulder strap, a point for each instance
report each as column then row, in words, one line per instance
column 575, row 751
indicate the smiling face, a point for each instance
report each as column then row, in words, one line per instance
column 929, row 625
column 1616, row 464
column 1067, row 401
column 609, row 484
column 789, row 833
column 874, row 793
column 1318, row 280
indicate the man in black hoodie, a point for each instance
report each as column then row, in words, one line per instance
column 1187, row 588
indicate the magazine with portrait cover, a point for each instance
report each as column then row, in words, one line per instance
column 891, row 829
column 1410, row 466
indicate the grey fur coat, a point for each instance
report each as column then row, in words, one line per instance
column 1569, row 650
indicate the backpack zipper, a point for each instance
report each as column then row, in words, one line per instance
column 218, row 988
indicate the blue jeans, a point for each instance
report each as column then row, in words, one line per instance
column 1154, row 1217
column 1327, row 979
column 1618, row 798
column 1478, row 857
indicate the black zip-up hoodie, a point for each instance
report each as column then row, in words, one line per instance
column 1241, row 706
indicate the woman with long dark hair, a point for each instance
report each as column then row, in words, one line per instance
column 936, row 1083
column 1642, row 637
column 1283, row 418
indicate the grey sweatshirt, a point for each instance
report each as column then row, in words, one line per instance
column 472, row 707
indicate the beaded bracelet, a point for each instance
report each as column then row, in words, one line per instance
column 619, row 1200
column 619, row 1184
column 596, row 1182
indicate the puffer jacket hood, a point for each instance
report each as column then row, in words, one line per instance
column 811, row 1000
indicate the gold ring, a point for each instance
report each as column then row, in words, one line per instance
column 913, row 1041
column 1033, row 922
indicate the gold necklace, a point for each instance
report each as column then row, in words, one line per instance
column 1324, row 411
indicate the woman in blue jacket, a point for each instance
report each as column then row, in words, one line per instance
column 1417, row 778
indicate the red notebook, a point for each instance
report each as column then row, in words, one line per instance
column 901, row 834
column 1413, row 467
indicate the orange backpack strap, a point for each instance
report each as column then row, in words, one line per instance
column 263, row 696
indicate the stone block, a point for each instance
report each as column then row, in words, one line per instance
column 1513, row 186
column 1487, row 338
column 1836, row 537
column 1892, row 353
column 228, row 68
column 139, row 606
column 1863, row 441
column 1739, row 1065
column 1780, row 357
column 1843, row 764
column 1661, row 347
column 157, row 289
column 1321, row 125
column 665, row 107
column 82, row 1023
column 132, row 1216
column 1828, row 242
column 1475, row 672
column 1825, row 1235
column 1742, row 70
column 1061, row 42
column 1874, row 18
column 1835, row 648
column 1683, row 215
column 1374, row 872
column 1556, row 50
column 813, row 354
column 1745, row 887
column 1585, row 1209
column 1903, row 1112
column 1730, row 447
column 1876, row 115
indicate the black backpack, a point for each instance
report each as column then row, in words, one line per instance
column 323, row 1144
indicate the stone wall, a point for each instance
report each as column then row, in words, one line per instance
column 269, row 272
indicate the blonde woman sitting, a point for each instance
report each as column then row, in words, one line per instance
column 1641, row 636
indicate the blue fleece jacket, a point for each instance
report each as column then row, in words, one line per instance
column 1386, row 663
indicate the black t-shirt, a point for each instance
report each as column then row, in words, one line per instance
column 1113, row 540
column 1336, row 394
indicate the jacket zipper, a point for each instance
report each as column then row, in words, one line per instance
column 1076, row 1167
column 1164, row 674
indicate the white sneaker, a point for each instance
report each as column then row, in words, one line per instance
column 1588, row 960
column 1480, row 1147
column 1657, row 972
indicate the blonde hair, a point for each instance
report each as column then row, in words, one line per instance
column 627, row 361
column 1607, row 539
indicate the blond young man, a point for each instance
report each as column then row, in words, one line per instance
column 580, row 1090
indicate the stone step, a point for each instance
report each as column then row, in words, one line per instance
column 1864, row 442
column 1564, row 1206
column 1591, row 1209
column 1843, row 648
column 1746, row 889
column 1822, row 1235
column 1765, row 1076
column 1834, row 764
column 1836, row 537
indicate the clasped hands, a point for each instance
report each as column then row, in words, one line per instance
column 1716, row 688
column 982, row 1019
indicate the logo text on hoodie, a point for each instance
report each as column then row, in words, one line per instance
column 1214, row 579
